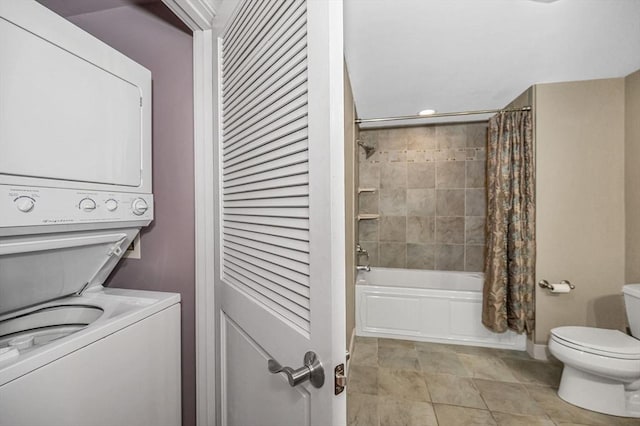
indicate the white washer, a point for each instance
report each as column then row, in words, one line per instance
column 75, row 190
column 123, row 368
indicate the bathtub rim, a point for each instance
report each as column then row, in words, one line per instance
column 473, row 281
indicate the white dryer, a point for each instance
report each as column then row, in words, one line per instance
column 75, row 189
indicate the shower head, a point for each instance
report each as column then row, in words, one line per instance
column 368, row 150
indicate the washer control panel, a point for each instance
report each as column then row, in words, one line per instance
column 29, row 206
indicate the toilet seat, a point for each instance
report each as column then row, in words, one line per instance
column 598, row 341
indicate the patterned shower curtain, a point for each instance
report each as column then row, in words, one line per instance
column 509, row 287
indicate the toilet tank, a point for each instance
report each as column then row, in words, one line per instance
column 632, row 304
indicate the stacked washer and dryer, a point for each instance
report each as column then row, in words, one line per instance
column 75, row 190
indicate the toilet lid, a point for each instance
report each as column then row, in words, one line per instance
column 599, row 341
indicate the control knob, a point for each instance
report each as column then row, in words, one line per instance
column 139, row 206
column 111, row 204
column 87, row 205
column 25, row 204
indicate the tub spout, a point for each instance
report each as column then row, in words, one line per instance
column 363, row 268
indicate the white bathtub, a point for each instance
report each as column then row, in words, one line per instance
column 431, row 306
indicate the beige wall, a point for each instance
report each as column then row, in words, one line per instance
column 632, row 177
column 350, row 156
column 580, row 213
column 430, row 195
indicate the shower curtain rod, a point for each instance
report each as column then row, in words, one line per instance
column 442, row 114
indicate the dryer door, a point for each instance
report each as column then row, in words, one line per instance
column 71, row 108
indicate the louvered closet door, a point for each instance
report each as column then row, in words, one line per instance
column 281, row 226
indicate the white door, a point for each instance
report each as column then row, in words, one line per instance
column 280, row 272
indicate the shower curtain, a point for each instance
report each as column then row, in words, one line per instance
column 509, row 287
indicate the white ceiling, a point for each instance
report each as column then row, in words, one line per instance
column 458, row 55
column 75, row 7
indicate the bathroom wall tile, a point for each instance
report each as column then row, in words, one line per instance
column 450, row 174
column 429, row 155
column 449, row 257
column 370, row 137
column 478, row 154
column 420, row 229
column 372, row 248
column 477, row 134
column 393, row 228
column 450, row 154
column 394, row 412
column 440, row 155
column 368, row 230
column 421, row 256
column 462, row 416
column 476, row 202
column 421, row 175
column 393, row 202
column 393, row 255
column 392, row 139
column 474, row 258
column 472, row 154
column 508, row 398
column 369, row 175
column 421, row 137
column 393, row 175
column 393, row 156
column 368, row 202
column 476, row 174
column 450, row 202
column 449, row 230
column 421, row 202
column 451, row 136
column 475, row 230
column 416, row 156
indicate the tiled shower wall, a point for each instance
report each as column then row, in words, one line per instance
column 430, row 195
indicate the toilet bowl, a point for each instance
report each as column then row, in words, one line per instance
column 601, row 367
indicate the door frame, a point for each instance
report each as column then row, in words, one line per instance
column 198, row 16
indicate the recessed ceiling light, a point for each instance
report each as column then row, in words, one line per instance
column 427, row 112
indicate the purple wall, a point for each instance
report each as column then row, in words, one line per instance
column 152, row 36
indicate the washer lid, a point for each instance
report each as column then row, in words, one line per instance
column 38, row 268
column 599, row 341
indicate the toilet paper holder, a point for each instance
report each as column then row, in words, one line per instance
column 545, row 284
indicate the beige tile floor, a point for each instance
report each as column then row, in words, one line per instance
column 398, row 382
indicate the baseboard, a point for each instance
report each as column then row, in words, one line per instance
column 537, row 351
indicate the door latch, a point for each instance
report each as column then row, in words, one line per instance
column 340, row 379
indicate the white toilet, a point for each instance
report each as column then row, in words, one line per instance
column 602, row 367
